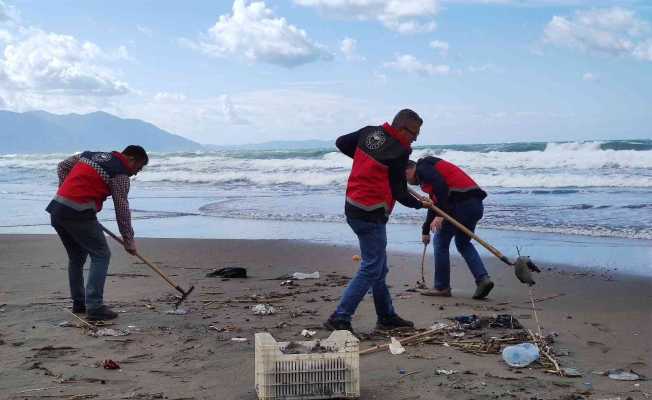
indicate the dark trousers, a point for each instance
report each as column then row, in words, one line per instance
column 83, row 238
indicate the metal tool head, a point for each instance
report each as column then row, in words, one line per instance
column 523, row 268
column 184, row 294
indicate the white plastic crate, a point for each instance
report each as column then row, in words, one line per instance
column 333, row 373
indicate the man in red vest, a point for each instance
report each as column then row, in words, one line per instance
column 377, row 180
column 85, row 182
column 453, row 191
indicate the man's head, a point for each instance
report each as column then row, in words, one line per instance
column 136, row 157
column 408, row 123
column 411, row 173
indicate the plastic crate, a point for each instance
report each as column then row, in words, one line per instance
column 333, row 373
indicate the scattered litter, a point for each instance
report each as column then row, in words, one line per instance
column 446, row 371
column 110, row 364
column 456, row 334
column 402, row 371
column 468, row 321
column 150, row 307
column 228, row 272
column 395, row 347
column 505, row 321
column 301, row 275
column 571, row 372
column 108, row 332
column 177, row 311
column 622, row 375
column 263, row 309
column 65, row 324
column 239, row 339
column 288, row 282
column 521, row 355
column 308, row 334
column 131, row 326
column 438, row 326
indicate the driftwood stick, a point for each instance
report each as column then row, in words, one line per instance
column 406, row 340
column 90, row 326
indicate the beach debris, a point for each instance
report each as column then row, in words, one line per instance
column 505, row 321
column 571, row 372
column 150, row 307
column 289, row 282
column 110, row 364
column 468, row 321
column 356, row 258
column 263, row 309
column 521, row 355
column 438, row 326
column 622, row 375
column 65, row 324
column 456, row 334
column 228, row 272
column 177, row 311
column 446, row 372
column 239, row 339
column 395, row 347
column 523, row 268
column 308, row 334
column 301, row 275
column 108, row 332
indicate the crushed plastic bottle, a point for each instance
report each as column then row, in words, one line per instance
column 521, row 355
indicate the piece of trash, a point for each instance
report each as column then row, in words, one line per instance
column 505, row 321
column 288, row 282
column 65, row 324
column 150, row 307
column 302, row 276
column 402, row 371
column 438, row 326
column 307, row 333
column 521, row 355
column 263, row 309
column 238, row 339
column 622, row 375
column 228, row 272
column 131, row 326
column 108, row 332
column 177, row 311
column 395, row 347
column 571, row 372
column 446, row 371
column 110, row 364
column 468, row 321
column 356, row 258
column 456, row 334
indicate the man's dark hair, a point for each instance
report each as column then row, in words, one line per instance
column 411, row 164
column 137, row 153
column 401, row 119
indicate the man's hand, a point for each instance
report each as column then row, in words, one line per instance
column 425, row 239
column 435, row 226
column 426, row 203
column 131, row 248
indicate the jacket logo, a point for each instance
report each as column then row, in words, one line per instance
column 375, row 140
column 102, row 157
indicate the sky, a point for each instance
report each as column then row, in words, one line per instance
column 240, row 71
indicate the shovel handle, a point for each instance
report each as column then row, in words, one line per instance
column 146, row 261
column 463, row 228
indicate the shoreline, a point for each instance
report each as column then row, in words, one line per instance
column 603, row 321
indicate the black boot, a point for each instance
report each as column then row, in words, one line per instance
column 78, row 307
column 333, row 324
column 101, row 313
column 393, row 322
column 483, row 289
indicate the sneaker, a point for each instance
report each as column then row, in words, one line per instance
column 393, row 322
column 102, row 313
column 333, row 324
column 483, row 289
column 437, row 292
column 78, row 308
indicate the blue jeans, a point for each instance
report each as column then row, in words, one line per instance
column 82, row 238
column 468, row 213
column 372, row 273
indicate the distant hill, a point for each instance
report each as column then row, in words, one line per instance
column 278, row 145
column 42, row 132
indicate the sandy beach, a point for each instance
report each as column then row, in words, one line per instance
column 603, row 320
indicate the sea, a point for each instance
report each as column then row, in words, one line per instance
column 586, row 204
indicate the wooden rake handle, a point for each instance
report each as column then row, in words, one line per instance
column 463, row 228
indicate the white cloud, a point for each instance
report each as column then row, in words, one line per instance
column 440, row 46
column 483, row 68
column 410, row 64
column 230, row 112
column 403, row 16
column 7, row 13
column 255, row 33
column 590, row 77
column 145, row 30
column 166, row 96
column 616, row 31
column 349, row 47
column 5, row 37
column 49, row 62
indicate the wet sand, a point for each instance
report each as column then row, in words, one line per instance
column 603, row 320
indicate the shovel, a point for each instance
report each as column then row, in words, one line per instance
column 184, row 293
column 523, row 266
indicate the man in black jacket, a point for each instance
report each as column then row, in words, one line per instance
column 377, row 180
